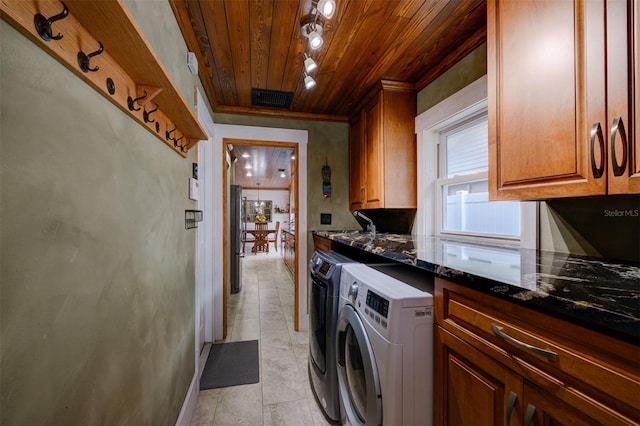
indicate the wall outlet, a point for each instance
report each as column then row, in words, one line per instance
column 325, row 218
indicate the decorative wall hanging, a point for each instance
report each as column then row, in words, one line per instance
column 326, row 180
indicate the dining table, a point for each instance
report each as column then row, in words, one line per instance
column 261, row 239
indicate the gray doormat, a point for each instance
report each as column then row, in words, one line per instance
column 231, row 364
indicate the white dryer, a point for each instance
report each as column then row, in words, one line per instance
column 384, row 349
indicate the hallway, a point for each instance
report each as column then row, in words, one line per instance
column 263, row 310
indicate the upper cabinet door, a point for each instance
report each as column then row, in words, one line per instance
column 356, row 165
column 546, row 87
column 622, row 96
column 374, row 175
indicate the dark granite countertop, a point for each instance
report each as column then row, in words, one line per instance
column 599, row 294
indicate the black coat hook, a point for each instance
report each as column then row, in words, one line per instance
column 183, row 147
column 167, row 134
column 175, row 141
column 146, row 114
column 43, row 25
column 131, row 102
column 84, row 58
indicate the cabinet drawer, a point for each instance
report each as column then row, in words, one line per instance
column 541, row 348
column 321, row 243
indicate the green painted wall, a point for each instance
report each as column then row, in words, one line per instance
column 469, row 69
column 328, row 142
column 96, row 269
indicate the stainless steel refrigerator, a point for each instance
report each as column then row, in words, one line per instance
column 236, row 229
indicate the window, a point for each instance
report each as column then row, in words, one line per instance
column 453, row 177
column 253, row 208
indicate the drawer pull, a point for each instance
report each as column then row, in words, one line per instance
column 512, row 401
column 551, row 356
column 528, row 415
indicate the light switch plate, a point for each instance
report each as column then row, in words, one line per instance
column 194, row 189
column 192, row 63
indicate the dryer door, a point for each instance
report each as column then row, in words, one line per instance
column 357, row 373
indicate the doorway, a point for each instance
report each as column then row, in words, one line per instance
column 282, row 157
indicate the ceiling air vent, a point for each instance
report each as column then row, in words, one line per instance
column 271, row 98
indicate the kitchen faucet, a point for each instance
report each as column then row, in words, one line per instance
column 370, row 227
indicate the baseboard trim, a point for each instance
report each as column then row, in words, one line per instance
column 190, row 401
column 189, row 405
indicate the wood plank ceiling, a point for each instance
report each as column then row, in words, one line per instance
column 245, row 44
column 263, row 165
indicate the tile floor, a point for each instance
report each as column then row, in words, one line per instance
column 263, row 310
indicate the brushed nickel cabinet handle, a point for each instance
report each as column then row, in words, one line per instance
column 528, row 415
column 512, row 401
column 596, row 132
column 551, row 356
column 618, row 127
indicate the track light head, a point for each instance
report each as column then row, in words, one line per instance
column 309, row 63
column 309, row 82
column 327, row 8
column 315, row 40
column 311, row 27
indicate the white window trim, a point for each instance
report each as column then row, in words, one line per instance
column 468, row 101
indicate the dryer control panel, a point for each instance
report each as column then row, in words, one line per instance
column 378, row 303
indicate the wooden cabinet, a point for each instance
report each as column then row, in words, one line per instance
column 321, row 243
column 382, row 149
column 289, row 250
column 562, row 77
column 356, row 163
column 486, row 374
column 473, row 385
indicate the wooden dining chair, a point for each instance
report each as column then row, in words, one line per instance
column 261, row 242
column 274, row 239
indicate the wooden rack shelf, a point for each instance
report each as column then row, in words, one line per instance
column 127, row 68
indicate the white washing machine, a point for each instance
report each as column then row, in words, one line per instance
column 384, row 349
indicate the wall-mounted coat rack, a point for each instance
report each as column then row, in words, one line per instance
column 100, row 42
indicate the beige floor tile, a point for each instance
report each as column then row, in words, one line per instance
column 294, row 413
column 239, row 405
column 281, row 381
column 275, row 343
column 245, row 329
column 248, row 311
column 205, row 407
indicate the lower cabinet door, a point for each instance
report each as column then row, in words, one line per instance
column 471, row 388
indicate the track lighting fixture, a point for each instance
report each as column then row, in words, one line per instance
column 311, row 27
column 309, row 82
column 309, row 64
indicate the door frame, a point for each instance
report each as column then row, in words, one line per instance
column 225, row 208
column 229, row 131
